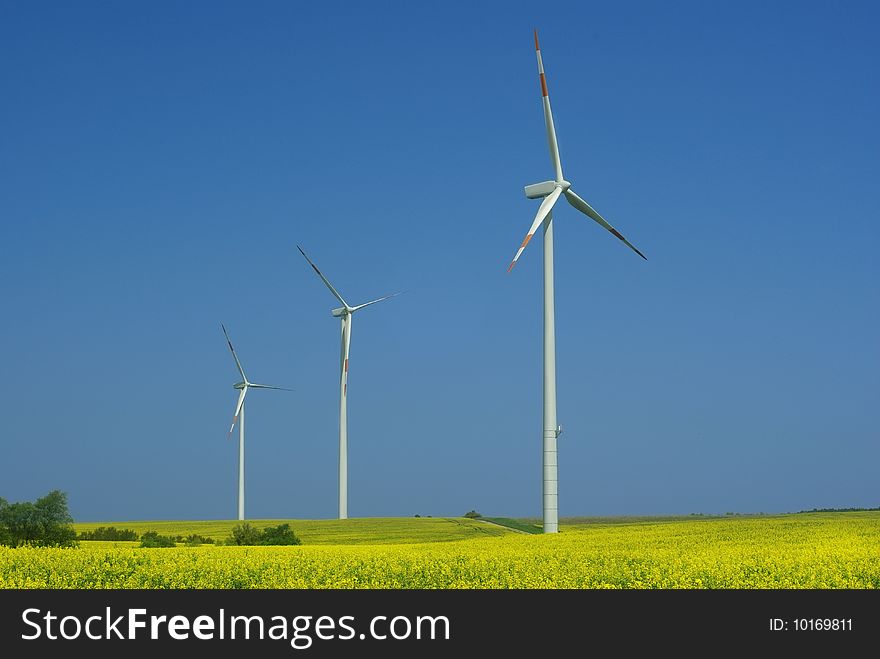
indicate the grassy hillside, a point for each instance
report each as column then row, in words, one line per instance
column 522, row 525
column 373, row 531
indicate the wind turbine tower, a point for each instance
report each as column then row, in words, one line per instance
column 244, row 386
column 550, row 191
column 344, row 313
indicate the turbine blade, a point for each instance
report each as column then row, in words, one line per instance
column 543, row 211
column 323, row 278
column 251, row 385
column 346, row 346
column 234, row 356
column 548, row 114
column 237, row 410
column 384, row 297
column 590, row 212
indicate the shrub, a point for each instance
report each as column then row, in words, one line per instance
column 279, row 535
column 109, row 533
column 195, row 540
column 153, row 539
column 244, row 534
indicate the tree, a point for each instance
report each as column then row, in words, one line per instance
column 45, row 523
column 194, row 540
column 153, row 539
column 5, row 538
column 472, row 514
column 109, row 533
column 244, row 534
column 56, row 520
column 20, row 523
column 279, row 535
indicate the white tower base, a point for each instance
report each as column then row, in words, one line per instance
column 551, row 428
column 241, row 464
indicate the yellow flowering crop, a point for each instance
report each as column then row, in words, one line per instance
column 790, row 551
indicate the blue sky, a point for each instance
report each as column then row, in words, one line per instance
column 160, row 161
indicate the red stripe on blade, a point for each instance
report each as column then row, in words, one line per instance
column 544, row 86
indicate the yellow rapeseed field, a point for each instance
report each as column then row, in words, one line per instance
column 791, row 551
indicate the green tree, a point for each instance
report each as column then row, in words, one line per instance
column 5, row 538
column 194, row 540
column 279, row 535
column 244, row 534
column 46, row 522
column 153, row 539
column 109, row 533
column 20, row 523
column 56, row 520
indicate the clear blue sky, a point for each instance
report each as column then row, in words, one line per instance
column 160, row 161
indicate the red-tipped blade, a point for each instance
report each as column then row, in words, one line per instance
column 238, row 407
column 543, row 212
column 590, row 212
column 548, row 114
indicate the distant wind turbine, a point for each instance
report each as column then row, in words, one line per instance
column 550, row 191
column 243, row 386
column 345, row 313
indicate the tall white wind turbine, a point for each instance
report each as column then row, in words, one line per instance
column 244, row 386
column 550, row 191
column 344, row 313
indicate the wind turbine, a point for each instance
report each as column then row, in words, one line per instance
column 243, row 386
column 344, row 313
column 550, row 191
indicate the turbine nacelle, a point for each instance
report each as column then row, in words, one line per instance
column 340, row 312
column 543, row 189
column 240, row 385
